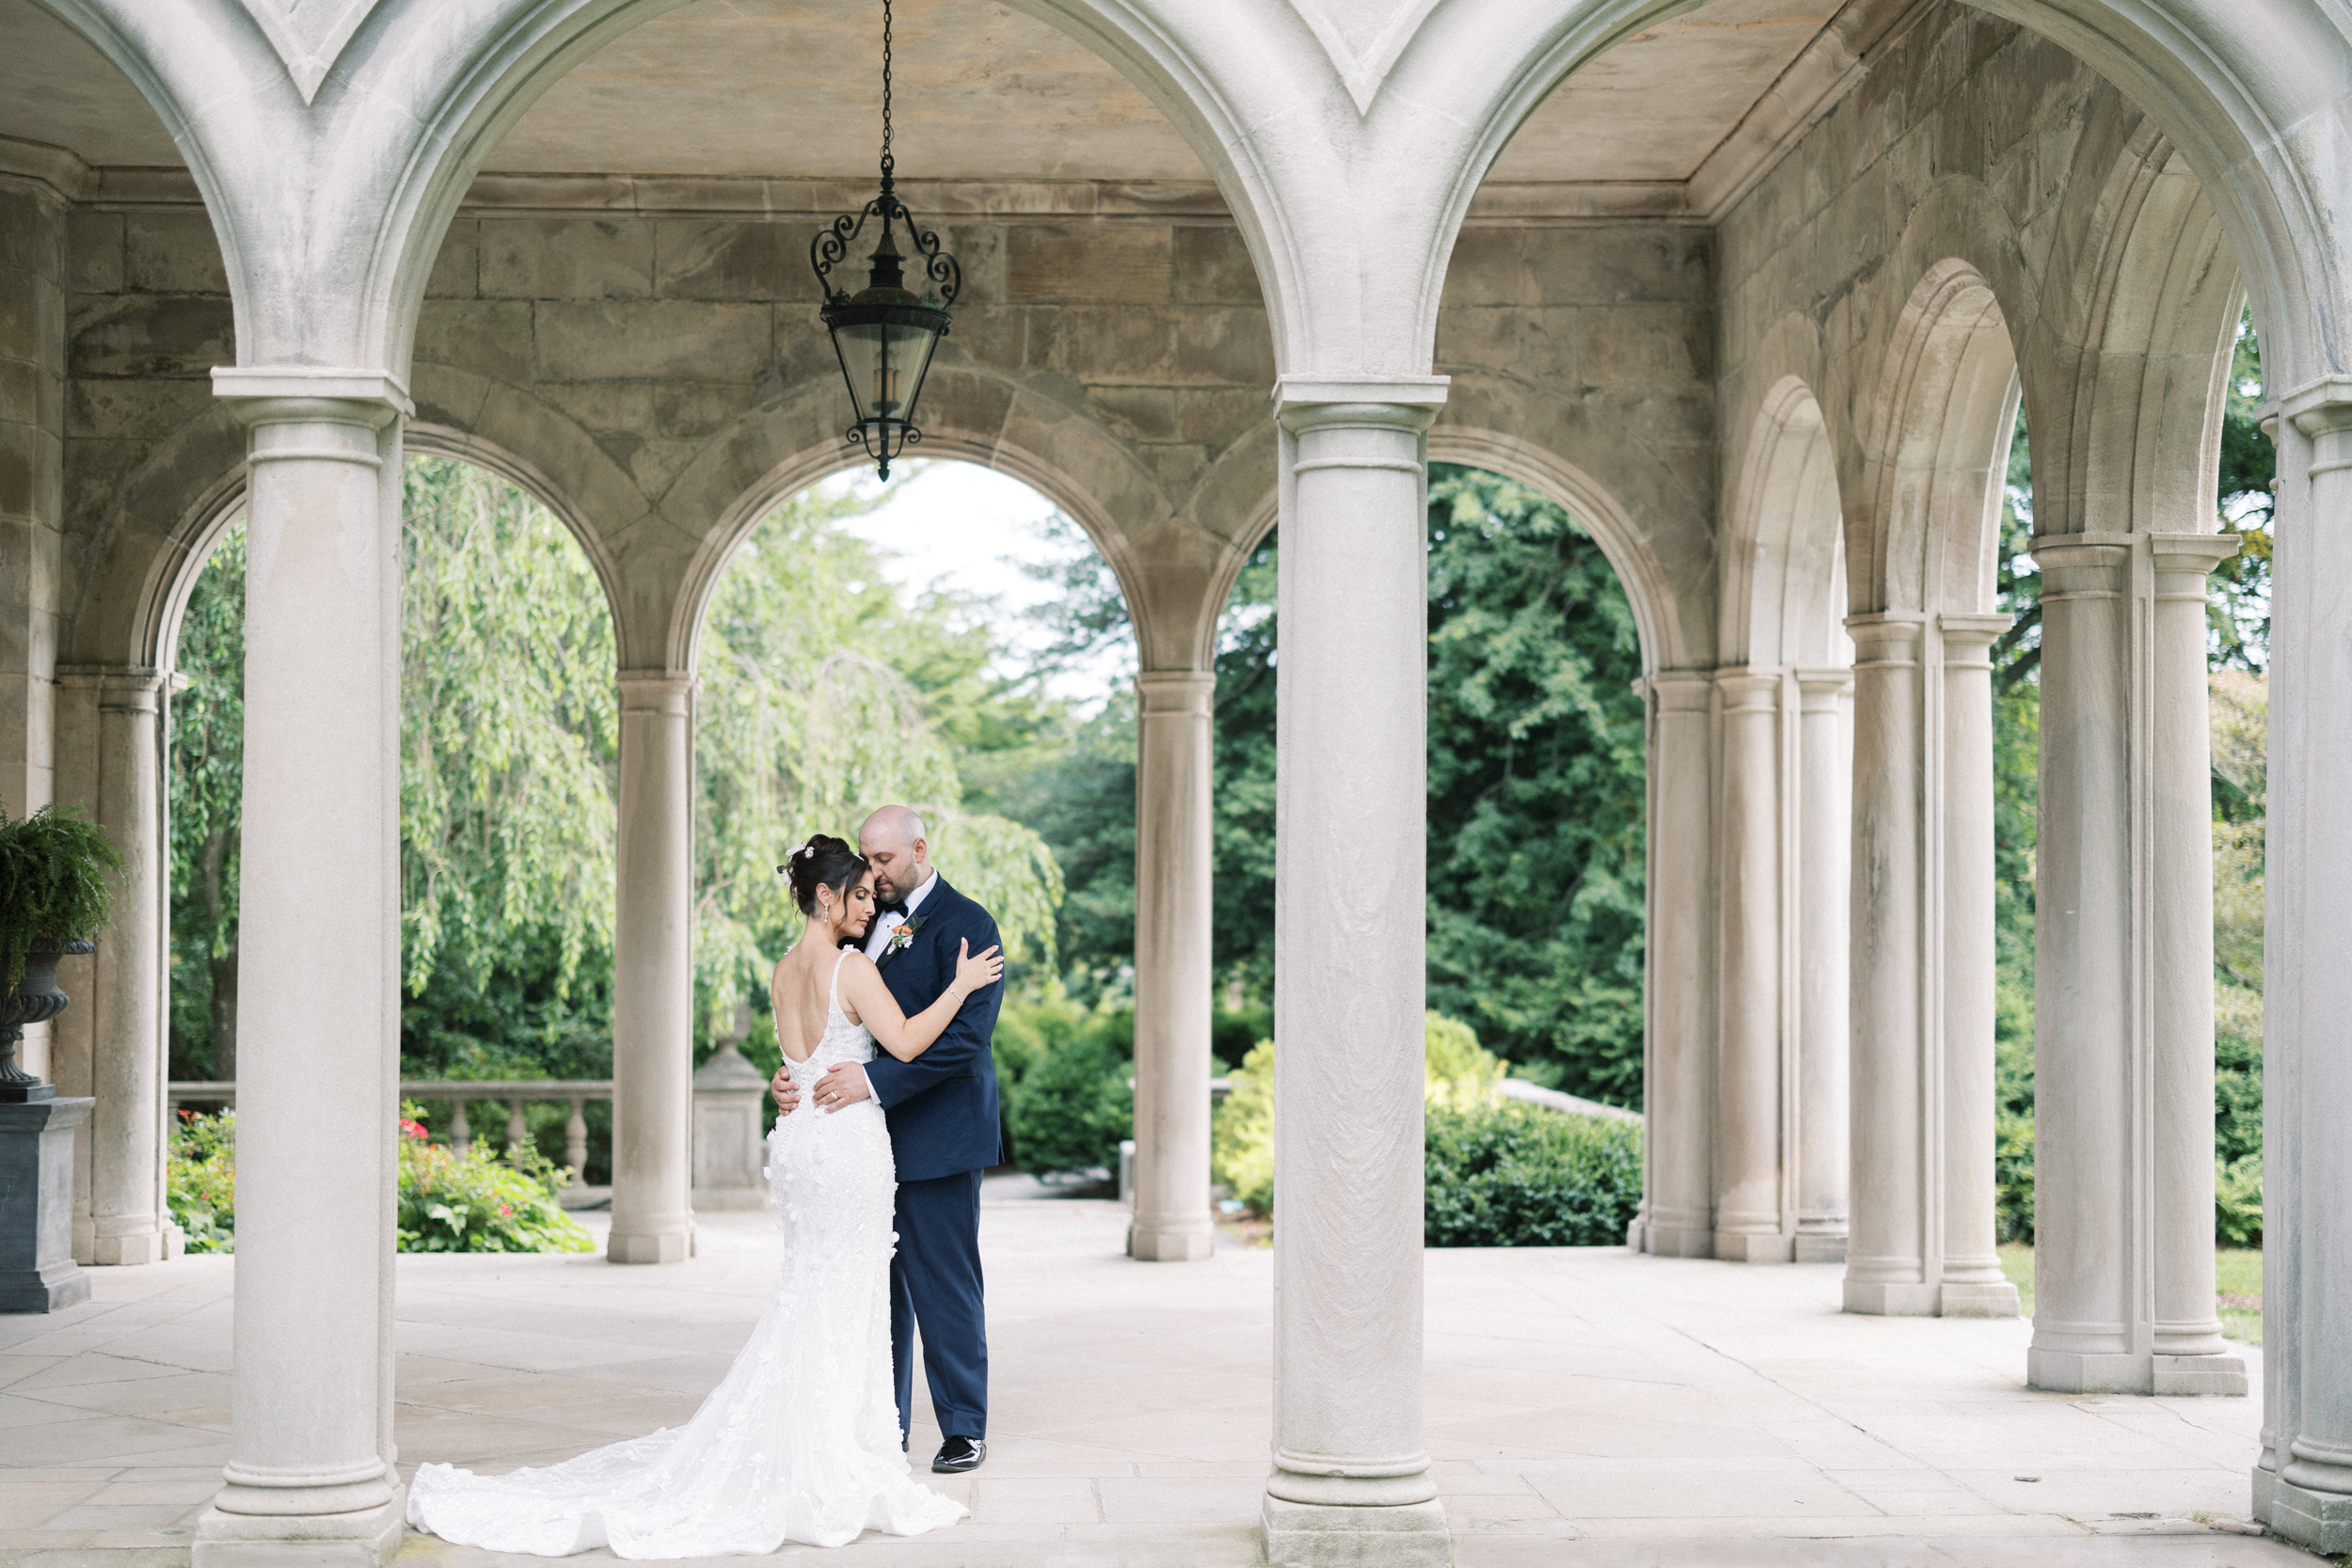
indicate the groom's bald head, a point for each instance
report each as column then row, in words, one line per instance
column 895, row 842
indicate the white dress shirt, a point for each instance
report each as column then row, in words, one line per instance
column 878, row 939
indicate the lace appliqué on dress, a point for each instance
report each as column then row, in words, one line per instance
column 800, row 1441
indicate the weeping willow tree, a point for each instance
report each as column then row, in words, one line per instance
column 509, row 734
column 806, row 722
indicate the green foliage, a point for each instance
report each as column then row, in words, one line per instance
column 1064, row 1071
column 509, row 733
column 1508, row 1174
column 1457, row 1071
column 206, row 765
column 2237, row 1201
column 200, row 1180
column 2238, row 613
column 821, row 699
column 56, row 874
column 1241, row 1137
column 475, row 1202
column 1536, row 793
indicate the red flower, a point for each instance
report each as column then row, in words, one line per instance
column 412, row 1129
column 505, row 1208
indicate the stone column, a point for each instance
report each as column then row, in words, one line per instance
column 1754, row 1222
column 1969, row 1274
column 2124, row 994
column 1351, row 1482
column 32, row 500
column 1677, row 1217
column 1173, row 969
column 1885, row 1259
column 1824, row 847
column 311, row 1477
column 2303, row 1483
column 653, row 973
column 126, row 1127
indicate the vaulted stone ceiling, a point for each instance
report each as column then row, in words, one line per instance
column 789, row 87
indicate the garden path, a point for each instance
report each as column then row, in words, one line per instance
column 1584, row 1407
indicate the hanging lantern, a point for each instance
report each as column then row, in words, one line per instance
column 885, row 333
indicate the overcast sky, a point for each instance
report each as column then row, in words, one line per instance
column 957, row 525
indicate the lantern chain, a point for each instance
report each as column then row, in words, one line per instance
column 887, row 160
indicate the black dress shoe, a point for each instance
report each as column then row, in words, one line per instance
column 959, row 1455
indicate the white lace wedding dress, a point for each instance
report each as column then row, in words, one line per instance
column 800, row 1442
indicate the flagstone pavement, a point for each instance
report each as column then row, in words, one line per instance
column 1584, row 1406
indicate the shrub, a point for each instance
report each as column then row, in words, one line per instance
column 475, row 1202
column 2012, row 1175
column 1507, row 1174
column 2237, row 1201
column 200, row 1180
column 1458, row 1072
column 1064, row 1072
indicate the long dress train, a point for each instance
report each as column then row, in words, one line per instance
column 800, row 1441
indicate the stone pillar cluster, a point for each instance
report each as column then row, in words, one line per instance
column 1922, row 970
column 2124, row 1009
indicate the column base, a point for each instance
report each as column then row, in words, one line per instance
column 1874, row 1300
column 1814, row 1247
column 1740, row 1247
column 2316, row 1521
column 1664, row 1240
column 364, row 1539
column 2222, row 1375
column 128, row 1251
column 1980, row 1301
column 2066, row 1372
column 1169, row 1246
column 1326, row 1535
column 667, row 1246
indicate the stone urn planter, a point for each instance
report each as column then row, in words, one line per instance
column 35, row 999
column 57, row 871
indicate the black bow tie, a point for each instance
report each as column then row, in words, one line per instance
column 898, row 908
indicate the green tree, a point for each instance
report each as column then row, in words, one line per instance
column 206, row 763
column 1536, row 793
column 822, row 697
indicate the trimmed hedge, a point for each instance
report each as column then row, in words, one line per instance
column 1509, row 1174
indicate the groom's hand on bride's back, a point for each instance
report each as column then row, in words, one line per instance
column 843, row 1085
column 787, row 1093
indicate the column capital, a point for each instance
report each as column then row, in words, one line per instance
column 1971, row 631
column 1428, row 392
column 1747, row 688
column 2200, row 553
column 130, row 688
column 269, row 394
column 1678, row 690
column 1185, row 693
column 1824, row 689
column 1886, row 637
column 656, row 691
column 2318, row 408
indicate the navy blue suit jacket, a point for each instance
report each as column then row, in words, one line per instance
column 942, row 1106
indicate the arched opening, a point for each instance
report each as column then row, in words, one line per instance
column 507, row 759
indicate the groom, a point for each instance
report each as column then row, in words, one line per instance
column 942, row 1110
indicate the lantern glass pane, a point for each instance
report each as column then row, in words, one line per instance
column 861, row 349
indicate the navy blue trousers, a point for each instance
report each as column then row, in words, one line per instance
column 935, row 1286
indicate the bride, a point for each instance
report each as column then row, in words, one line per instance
column 800, row 1441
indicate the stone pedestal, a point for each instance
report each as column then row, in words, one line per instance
column 730, row 1147
column 37, row 1272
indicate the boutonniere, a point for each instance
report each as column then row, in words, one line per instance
column 902, row 935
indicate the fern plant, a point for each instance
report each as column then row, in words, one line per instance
column 57, row 884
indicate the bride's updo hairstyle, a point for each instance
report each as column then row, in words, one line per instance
column 824, row 861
